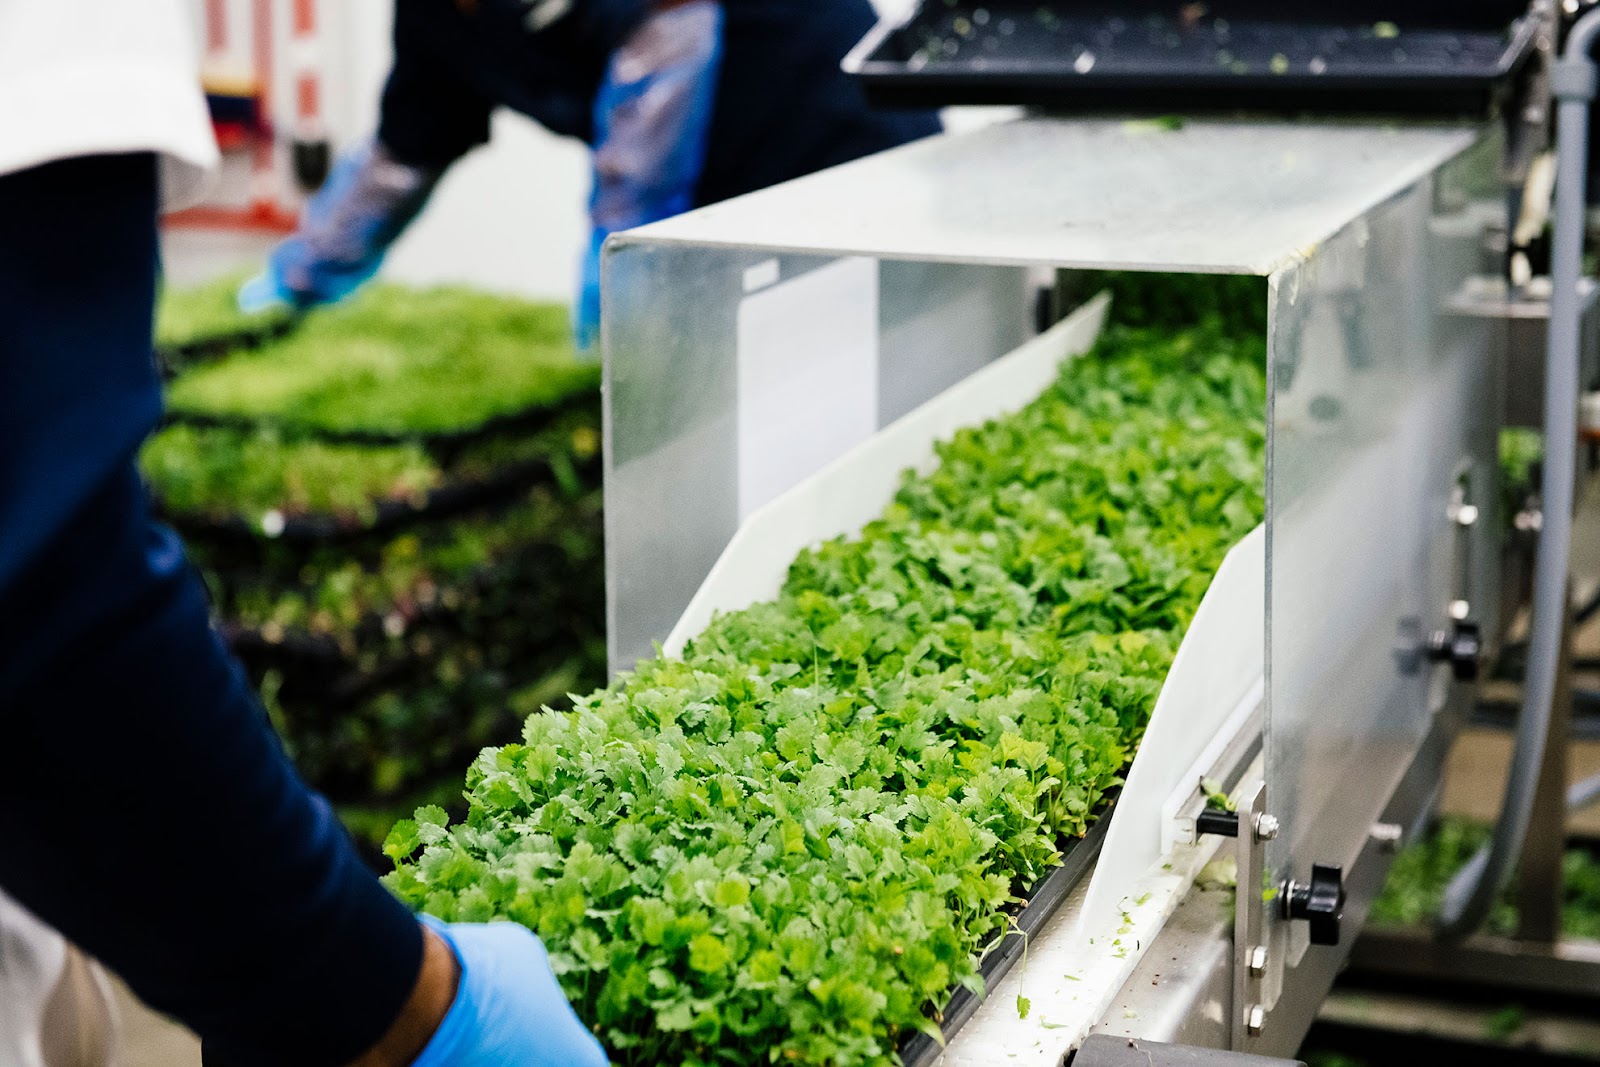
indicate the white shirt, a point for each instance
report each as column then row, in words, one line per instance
column 77, row 78
column 32, row 956
column 94, row 77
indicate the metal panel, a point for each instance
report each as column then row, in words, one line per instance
column 672, row 426
column 1213, row 196
column 1520, row 326
column 1382, row 412
column 1183, row 988
column 1246, row 197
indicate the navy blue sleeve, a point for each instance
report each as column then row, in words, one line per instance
column 455, row 63
column 149, row 812
column 821, row 118
column 430, row 114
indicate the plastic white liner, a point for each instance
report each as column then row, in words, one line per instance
column 1217, row 670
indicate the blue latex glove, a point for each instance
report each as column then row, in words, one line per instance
column 368, row 199
column 509, row 1010
column 652, row 122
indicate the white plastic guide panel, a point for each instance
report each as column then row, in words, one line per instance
column 1217, row 670
column 1216, row 673
column 854, row 489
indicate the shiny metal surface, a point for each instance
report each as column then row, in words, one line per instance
column 675, row 446
column 1250, row 951
column 1183, row 989
column 1520, row 327
column 1213, row 196
column 951, row 222
column 1383, row 414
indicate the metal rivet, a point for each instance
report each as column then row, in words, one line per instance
column 1467, row 515
column 1258, row 961
column 1255, row 1020
column 1266, row 826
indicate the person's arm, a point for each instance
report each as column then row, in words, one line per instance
column 149, row 813
column 429, row 118
column 652, row 122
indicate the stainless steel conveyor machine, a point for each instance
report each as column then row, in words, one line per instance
column 773, row 362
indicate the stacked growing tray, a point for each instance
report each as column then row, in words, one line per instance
column 396, row 506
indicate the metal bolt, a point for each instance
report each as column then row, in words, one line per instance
column 1255, row 1020
column 1460, row 610
column 1258, row 961
column 1266, row 826
column 1388, row 836
column 1466, row 515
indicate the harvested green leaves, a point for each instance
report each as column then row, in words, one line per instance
column 794, row 841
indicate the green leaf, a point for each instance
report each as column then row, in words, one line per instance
column 708, row 954
column 732, row 892
column 402, row 841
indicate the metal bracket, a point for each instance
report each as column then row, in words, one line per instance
column 1249, row 924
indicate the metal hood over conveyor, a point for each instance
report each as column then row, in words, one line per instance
column 760, row 352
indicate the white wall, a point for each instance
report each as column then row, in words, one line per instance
column 511, row 217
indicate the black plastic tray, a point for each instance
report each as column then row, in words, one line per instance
column 321, row 669
column 920, row 1050
column 445, row 502
column 1151, row 57
column 437, row 441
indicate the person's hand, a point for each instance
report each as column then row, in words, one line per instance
column 509, row 1010
column 586, row 316
column 348, row 226
column 652, row 122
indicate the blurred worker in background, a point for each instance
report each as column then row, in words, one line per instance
column 685, row 102
column 149, row 812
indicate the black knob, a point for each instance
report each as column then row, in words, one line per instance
column 1319, row 902
column 1461, row 647
column 1220, row 823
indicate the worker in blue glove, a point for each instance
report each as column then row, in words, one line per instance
column 685, row 102
column 150, row 815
